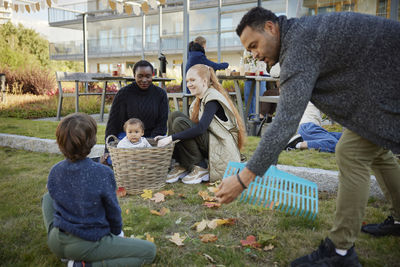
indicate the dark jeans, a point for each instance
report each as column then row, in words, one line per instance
column 188, row 152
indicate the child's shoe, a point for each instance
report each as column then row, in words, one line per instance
column 196, row 176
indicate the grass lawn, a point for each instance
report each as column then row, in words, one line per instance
column 47, row 129
column 23, row 238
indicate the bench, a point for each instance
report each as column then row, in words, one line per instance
column 84, row 78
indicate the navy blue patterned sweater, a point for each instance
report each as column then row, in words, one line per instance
column 84, row 199
column 150, row 106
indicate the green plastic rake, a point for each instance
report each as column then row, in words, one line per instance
column 278, row 190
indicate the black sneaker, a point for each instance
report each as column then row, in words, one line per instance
column 388, row 227
column 293, row 142
column 326, row 255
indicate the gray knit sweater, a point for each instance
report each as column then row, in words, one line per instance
column 348, row 66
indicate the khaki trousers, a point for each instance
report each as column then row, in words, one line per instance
column 356, row 157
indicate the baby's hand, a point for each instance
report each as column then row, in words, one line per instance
column 164, row 141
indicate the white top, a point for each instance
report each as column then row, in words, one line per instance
column 125, row 143
column 311, row 114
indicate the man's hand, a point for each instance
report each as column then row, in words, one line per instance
column 230, row 188
column 165, row 141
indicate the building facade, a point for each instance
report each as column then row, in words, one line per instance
column 114, row 38
column 5, row 14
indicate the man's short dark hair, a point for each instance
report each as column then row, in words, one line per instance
column 133, row 121
column 142, row 63
column 255, row 18
column 76, row 135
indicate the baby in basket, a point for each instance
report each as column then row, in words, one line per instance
column 134, row 129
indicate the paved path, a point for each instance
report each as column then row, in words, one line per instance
column 326, row 180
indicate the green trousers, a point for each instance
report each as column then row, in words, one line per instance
column 187, row 152
column 111, row 250
column 356, row 157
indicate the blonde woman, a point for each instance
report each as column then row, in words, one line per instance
column 211, row 137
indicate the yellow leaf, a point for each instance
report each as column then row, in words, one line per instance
column 149, row 238
column 164, row 211
column 176, row 239
column 213, row 189
column 205, row 196
column 127, row 211
column 147, row 194
column 269, row 247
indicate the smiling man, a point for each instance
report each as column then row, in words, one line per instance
column 348, row 66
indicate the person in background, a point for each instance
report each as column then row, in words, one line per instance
column 214, row 132
column 134, row 130
column 140, row 99
column 311, row 135
column 327, row 59
column 197, row 55
column 81, row 211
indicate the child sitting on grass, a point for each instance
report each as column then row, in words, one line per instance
column 81, row 211
column 134, row 129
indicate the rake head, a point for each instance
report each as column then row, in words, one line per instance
column 278, row 190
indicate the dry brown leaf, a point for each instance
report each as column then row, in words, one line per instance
column 158, row 197
column 176, row 239
column 229, row 221
column 208, row 238
column 155, row 212
column 201, row 226
column 213, row 189
column 212, row 224
column 127, row 211
column 167, row 192
column 268, row 248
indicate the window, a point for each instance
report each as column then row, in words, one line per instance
column 383, row 8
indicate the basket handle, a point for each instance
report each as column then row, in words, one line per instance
column 111, row 136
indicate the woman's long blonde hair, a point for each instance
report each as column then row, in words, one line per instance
column 207, row 73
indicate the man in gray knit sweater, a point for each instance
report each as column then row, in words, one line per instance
column 348, row 66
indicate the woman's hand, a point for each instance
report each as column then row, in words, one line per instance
column 230, row 188
column 159, row 137
column 164, row 141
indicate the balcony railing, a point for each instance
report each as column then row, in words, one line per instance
column 132, row 45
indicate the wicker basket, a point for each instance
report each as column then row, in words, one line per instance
column 140, row 168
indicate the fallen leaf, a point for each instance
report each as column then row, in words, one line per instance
column 212, row 204
column 205, row 196
column 201, row 226
column 128, row 228
column 216, row 183
column 273, row 204
column 208, row 257
column 162, row 212
column 213, row 189
column 121, row 192
column 155, row 212
column 176, row 239
column 178, row 221
column 212, row 224
column 147, row 194
column 250, row 242
column 268, row 248
column 229, row 221
column 167, row 192
column 182, row 195
column 127, row 211
column 208, row 238
column 149, row 238
column 158, row 197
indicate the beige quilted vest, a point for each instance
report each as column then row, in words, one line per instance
column 223, row 144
